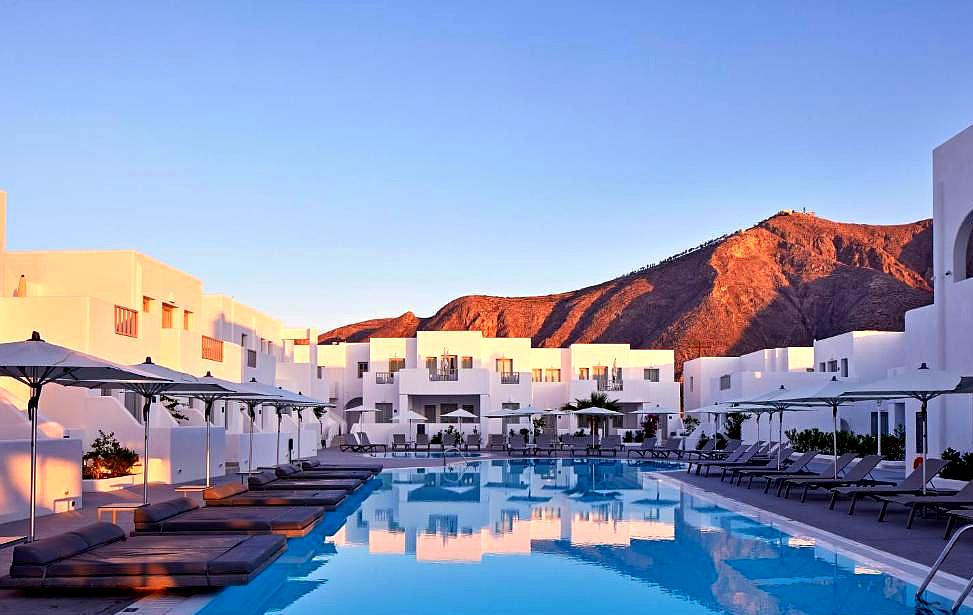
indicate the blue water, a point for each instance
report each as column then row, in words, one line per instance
column 555, row 537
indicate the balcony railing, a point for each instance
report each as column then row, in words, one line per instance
column 126, row 321
column 251, row 358
column 444, row 375
column 509, row 377
column 384, row 377
column 609, row 385
column 212, row 349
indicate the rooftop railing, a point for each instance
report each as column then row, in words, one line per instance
column 443, row 375
column 610, row 385
column 509, row 377
column 384, row 377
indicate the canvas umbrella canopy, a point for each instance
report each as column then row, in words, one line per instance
column 251, row 397
column 514, row 413
column 595, row 412
column 361, row 410
column 305, row 402
column 459, row 415
column 410, row 417
column 36, row 363
column 922, row 384
column 282, row 398
column 656, row 410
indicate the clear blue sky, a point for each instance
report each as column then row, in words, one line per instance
column 334, row 162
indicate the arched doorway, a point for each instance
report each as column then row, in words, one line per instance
column 963, row 250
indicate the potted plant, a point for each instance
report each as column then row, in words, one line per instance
column 108, row 465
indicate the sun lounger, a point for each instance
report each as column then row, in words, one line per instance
column 399, row 443
column 472, row 441
column 370, row 447
column 184, row 516
column 910, row 485
column 703, row 451
column 576, row 444
column 788, row 466
column 770, row 463
column 546, row 444
column 735, row 455
column 422, row 442
column 741, row 459
column 729, row 446
column 289, row 470
column 939, row 502
column 267, row 481
column 518, row 444
column 856, row 475
column 316, row 464
column 495, row 442
column 235, row 494
column 648, row 447
column 100, row 556
column 350, row 444
column 609, row 444
column 836, row 467
column 670, row 447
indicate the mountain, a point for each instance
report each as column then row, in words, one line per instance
column 786, row 281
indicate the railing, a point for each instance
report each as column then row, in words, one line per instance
column 384, row 377
column 444, row 375
column 509, row 377
column 609, row 385
column 251, row 358
column 126, row 321
column 212, row 349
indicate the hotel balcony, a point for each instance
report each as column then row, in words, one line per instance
column 629, row 391
column 421, row 381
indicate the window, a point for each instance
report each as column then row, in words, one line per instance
column 146, row 304
column 536, row 375
column 395, row 365
column 725, row 382
column 469, row 408
column 126, row 321
column 844, row 368
column 447, row 408
column 429, row 410
column 599, row 372
column 167, row 315
column 431, row 363
column 243, row 340
column 251, row 358
column 918, row 432
column 187, row 320
column 510, row 405
column 212, row 349
column 362, row 368
column 320, row 372
column 821, row 367
column 832, row 365
column 384, row 414
column 651, row 374
column 505, row 366
column 692, row 382
column 466, row 362
column 552, row 375
column 582, row 373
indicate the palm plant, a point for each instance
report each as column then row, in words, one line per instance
column 596, row 400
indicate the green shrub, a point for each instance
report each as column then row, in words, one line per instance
column 893, row 445
column 628, row 437
column 960, row 465
column 703, row 439
column 107, row 458
column 734, row 425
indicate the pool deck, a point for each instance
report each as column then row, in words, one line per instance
column 921, row 544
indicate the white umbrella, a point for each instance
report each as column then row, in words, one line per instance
column 36, row 363
column 459, row 415
column 283, row 399
column 922, row 384
column 595, row 411
column 409, row 416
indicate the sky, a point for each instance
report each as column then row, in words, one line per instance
column 333, row 162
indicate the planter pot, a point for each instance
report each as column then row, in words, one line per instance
column 103, row 485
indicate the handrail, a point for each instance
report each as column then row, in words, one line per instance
column 443, row 375
column 938, row 564
column 384, row 377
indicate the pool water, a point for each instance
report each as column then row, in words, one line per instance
column 556, row 537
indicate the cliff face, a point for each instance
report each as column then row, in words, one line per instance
column 786, row 281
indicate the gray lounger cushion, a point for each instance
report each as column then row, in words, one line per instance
column 316, row 484
column 31, row 559
column 223, row 491
column 239, row 519
column 154, row 513
column 361, row 475
column 327, row 498
column 286, row 469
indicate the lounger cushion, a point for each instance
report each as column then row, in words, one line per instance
column 315, row 484
column 248, row 555
column 238, row 519
column 310, row 463
column 259, row 480
column 153, row 513
column 361, row 475
column 223, row 491
column 286, row 470
column 100, row 533
column 47, row 550
column 329, row 499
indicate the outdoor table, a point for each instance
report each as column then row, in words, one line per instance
column 9, row 541
column 114, row 509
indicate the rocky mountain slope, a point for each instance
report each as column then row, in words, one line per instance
column 786, row 281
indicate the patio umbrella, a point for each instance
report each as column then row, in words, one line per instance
column 307, row 402
column 281, row 399
column 410, row 417
column 361, row 410
column 594, row 412
column 922, row 384
column 459, row 415
column 36, row 363
column 656, row 410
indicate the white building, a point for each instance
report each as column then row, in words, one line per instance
column 858, row 356
column 437, row 372
column 941, row 334
column 125, row 306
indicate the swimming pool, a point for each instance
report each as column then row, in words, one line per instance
column 556, row 536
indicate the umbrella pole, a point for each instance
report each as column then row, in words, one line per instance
column 250, row 454
column 278, row 437
column 145, row 462
column 780, row 435
column 207, row 414
column 834, row 436
column 32, row 404
column 298, row 432
column 925, row 442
